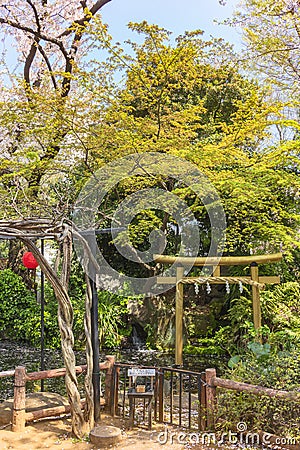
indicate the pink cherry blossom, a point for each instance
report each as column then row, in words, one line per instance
column 47, row 35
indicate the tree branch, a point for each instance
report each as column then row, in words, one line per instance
column 276, row 50
column 37, row 34
column 29, row 61
column 32, row 52
column 77, row 25
column 86, row 18
column 83, row 4
column 43, row 53
column 37, row 19
column 98, row 5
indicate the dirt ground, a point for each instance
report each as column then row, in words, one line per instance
column 56, row 435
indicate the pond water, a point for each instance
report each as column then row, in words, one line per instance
column 14, row 354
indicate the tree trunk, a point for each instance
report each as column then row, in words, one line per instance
column 65, row 322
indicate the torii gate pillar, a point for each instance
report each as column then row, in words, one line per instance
column 255, row 296
column 179, row 317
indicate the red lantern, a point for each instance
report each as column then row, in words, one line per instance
column 29, row 261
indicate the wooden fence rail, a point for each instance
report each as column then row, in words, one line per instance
column 7, row 373
column 257, row 390
column 50, row 412
column 212, row 382
column 19, row 415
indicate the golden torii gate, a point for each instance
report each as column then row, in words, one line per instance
column 257, row 282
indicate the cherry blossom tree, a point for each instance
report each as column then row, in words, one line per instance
column 48, row 35
column 50, row 40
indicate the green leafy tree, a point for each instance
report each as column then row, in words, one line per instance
column 271, row 52
column 189, row 100
column 271, row 33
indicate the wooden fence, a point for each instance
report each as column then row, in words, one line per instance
column 212, row 382
column 191, row 400
column 174, row 403
column 207, row 384
column 19, row 414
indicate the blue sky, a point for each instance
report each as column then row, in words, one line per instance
column 175, row 15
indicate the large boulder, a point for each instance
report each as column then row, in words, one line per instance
column 155, row 316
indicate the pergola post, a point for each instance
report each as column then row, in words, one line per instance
column 255, row 296
column 95, row 347
column 179, row 317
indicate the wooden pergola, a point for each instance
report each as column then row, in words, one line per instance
column 28, row 231
column 215, row 263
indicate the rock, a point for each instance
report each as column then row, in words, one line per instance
column 199, row 320
column 156, row 313
column 216, row 306
column 105, row 436
column 34, row 402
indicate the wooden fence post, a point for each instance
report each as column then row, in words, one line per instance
column 108, row 382
column 202, row 406
column 115, row 402
column 161, row 395
column 211, row 398
column 18, row 413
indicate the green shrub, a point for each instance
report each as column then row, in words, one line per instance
column 20, row 313
column 274, row 363
column 280, row 317
column 264, row 366
column 110, row 313
column 281, row 313
column 112, row 310
column 19, row 310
